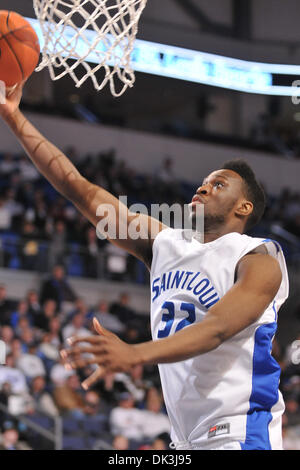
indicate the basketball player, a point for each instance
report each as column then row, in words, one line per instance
column 214, row 303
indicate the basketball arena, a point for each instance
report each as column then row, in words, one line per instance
column 144, row 100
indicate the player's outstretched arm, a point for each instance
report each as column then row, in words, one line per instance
column 87, row 197
column 258, row 280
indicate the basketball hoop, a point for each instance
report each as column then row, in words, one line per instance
column 90, row 39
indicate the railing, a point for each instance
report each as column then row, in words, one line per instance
column 41, row 256
column 55, row 436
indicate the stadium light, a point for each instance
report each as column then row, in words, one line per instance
column 203, row 68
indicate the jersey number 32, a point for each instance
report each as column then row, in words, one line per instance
column 169, row 316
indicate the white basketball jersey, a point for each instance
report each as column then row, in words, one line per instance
column 229, row 394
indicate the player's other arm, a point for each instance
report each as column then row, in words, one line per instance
column 257, row 282
column 87, row 197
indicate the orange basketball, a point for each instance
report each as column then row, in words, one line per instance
column 19, row 48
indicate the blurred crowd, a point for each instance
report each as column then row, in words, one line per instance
column 40, row 230
column 269, row 135
column 289, row 360
column 122, row 411
column 125, row 411
column 270, row 131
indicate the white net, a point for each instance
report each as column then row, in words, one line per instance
column 90, row 39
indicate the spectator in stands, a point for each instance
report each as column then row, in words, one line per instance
column 48, row 312
column 58, row 243
column 292, row 409
column 155, row 420
column 166, row 171
column 290, row 436
column 91, row 258
column 108, row 388
column 6, row 306
column 161, row 442
column 58, row 208
column 30, row 247
column 30, row 364
column 126, row 420
column 167, row 183
column 42, row 401
column 10, row 440
column 48, row 352
column 116, row 262
column 132, row 334
column 59, row 374
column 120, row 443
column 93, row 405
column 5, row 215
column 6, row 335
column 16, row 348
column 68, row 396
column 55, row 334
column 16, row 182
column 79, row 228
column 25, row 191
column 122, row 310
column 12, row 375
column 5, row 392
column 57, row 288
column 28, row 171
column 133, row 383
column 34, row 307
column 37, row 214
column 76, row 327
column 15, row 208
column 107, row 319
column 22, row 311
column 26, row 334
column 81, row 307
column 8, row 164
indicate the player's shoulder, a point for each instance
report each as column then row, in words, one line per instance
column 170, row 233
column 258, row 243
column 264, row 246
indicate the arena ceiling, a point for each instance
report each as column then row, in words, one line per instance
column 256, row 20
column 254, row 30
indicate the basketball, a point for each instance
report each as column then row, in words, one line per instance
column 19, row 48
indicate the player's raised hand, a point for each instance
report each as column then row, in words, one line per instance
column 106, row 350
column 12, row 100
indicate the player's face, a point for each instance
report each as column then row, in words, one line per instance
column 221, row 193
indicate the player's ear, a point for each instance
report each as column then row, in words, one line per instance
column 245, row 208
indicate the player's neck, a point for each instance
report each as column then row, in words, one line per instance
column 210, row 236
